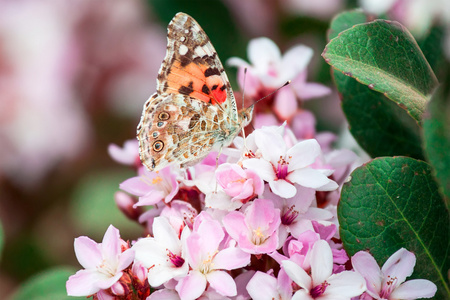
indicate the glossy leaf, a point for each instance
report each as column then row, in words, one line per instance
column 48, row 285
column 393, row 202
column 384, row 55
column 346, row 20
column 436, row 129
column 379, row 125
column 431, row 46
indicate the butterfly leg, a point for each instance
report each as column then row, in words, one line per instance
column 217, row 165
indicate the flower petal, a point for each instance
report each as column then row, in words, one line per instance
column 271, row 144
column 311, row 178
column 311, row 90
column 297, row 274
column 111, row 244
column 285, row 105
column 344, row 285
column 283, row 188
column 87, row 252
column 125, row 259
column 303, row 154
column 414, row 289
column 321, row 262
column 165, row 234
column 400, row 265
column 231, row 258
column 191, row 286
column 365, row 264
column 222, row 282
column 262, row 286
column 263, row 52
column 84, row 283
column 262, row 167
column 135, row 186
column 295, row 60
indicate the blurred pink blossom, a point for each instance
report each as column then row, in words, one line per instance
column 127, row 155
column 59, row 61
column 269, row 70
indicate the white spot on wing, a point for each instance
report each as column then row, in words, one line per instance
column 186, row 31
column 199, row 51
column 183, row 50
column 182, row 38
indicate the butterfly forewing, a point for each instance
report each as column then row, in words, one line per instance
column 191, row 67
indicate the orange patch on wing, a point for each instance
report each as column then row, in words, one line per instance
column 217, row 87
column 191, row 80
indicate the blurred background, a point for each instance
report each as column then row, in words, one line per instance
column 74, row 76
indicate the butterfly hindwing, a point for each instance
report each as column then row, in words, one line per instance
column 173, row 129
column 192, row 67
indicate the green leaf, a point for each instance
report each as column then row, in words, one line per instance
column 48, row 285
column 346, row 20
column 436, row 128
column 432, row 48
column 94, row 209
column 384, row 55
column 393, row 202
column 379, row 125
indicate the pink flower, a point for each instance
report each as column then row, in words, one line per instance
column 297, row 213
column 207, row 261
column 321, row 283
column 255, row 230
column 163, row 254
column 179, row 214
column 388, row 283
column 270, row 70
column 240, row 184
column 152, row 187
column 127, row 155
column 266, row 287
column 298, row 250
column 103, row 263
column 282, row 167
column 269, row 66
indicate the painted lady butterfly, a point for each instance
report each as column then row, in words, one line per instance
column 194, row 110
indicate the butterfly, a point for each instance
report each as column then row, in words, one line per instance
column 193, row 111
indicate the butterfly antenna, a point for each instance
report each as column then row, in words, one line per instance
column 243, row 88
column 285, row 84
column 243, row 104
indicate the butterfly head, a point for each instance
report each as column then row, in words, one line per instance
column 245, row 116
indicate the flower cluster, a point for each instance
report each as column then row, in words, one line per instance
column 258, row 223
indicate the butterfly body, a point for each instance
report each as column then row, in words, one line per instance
column 194, row 110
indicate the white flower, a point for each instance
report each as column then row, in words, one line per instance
column 282, row 167
column 322, row 284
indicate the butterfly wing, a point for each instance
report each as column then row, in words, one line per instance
column 192, row 67
column 174, row 129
